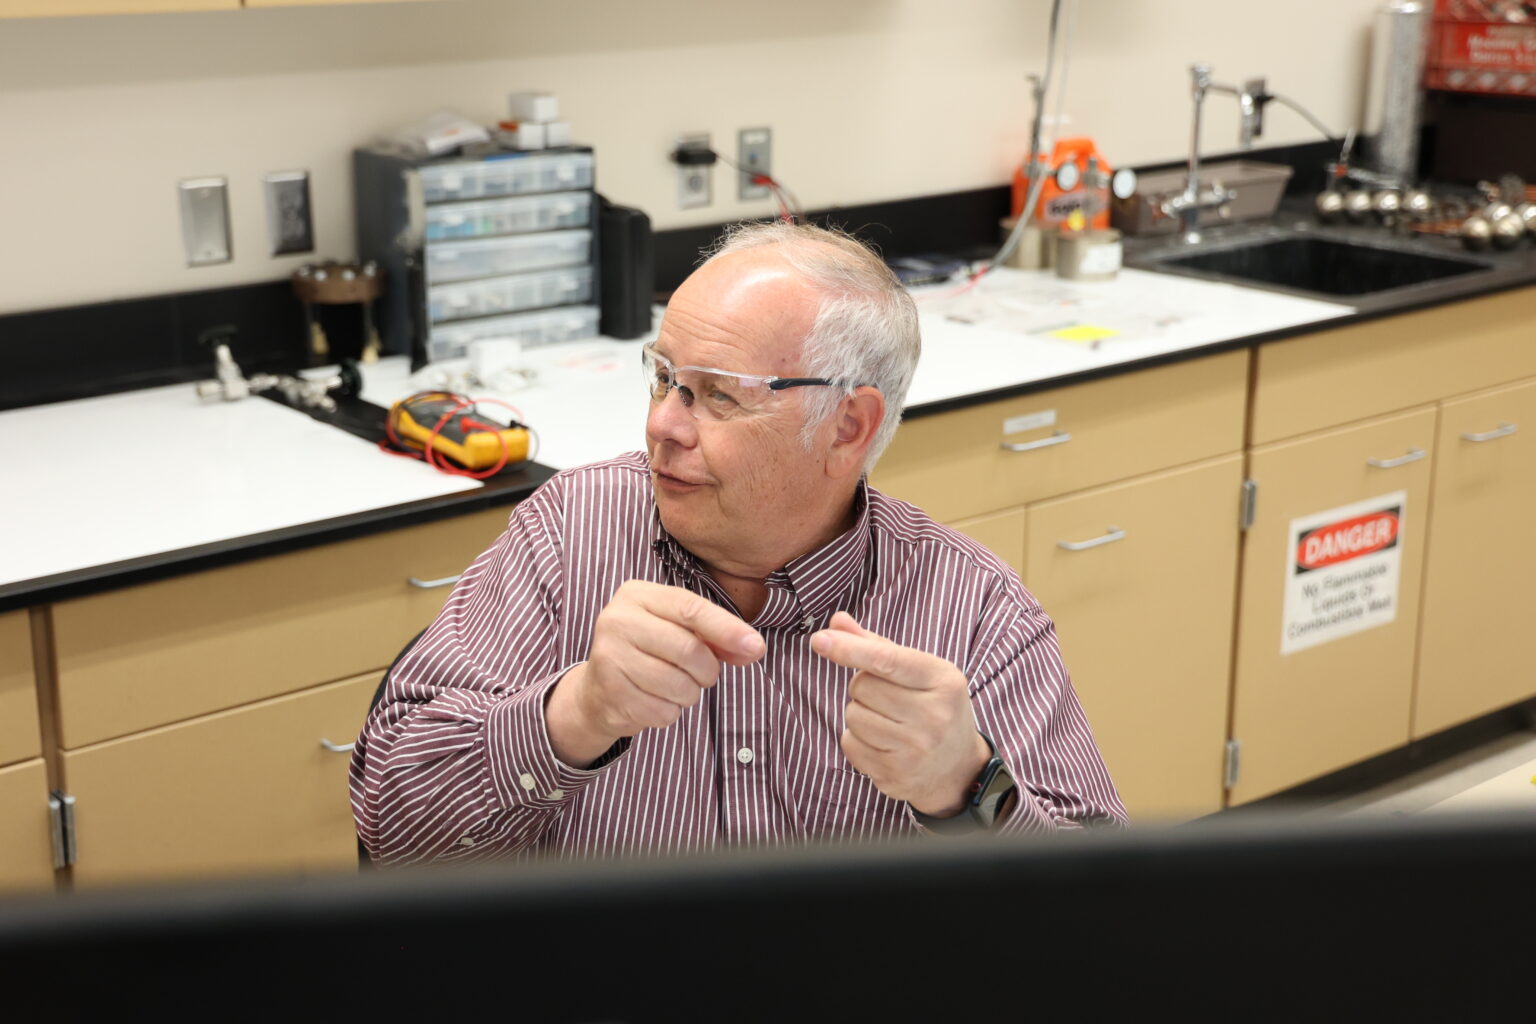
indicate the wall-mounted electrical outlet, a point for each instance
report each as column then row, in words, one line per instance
column 694, row 181
column 205, row 220
column 754, row 152
column 289, row 227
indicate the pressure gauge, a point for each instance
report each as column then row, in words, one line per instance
column 1123, row 183
column 1067, row 176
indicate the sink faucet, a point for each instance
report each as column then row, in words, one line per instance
column 1188, row 204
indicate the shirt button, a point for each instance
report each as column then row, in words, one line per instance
column 744, row 755
column 528, row 781
column 466, row 841
column 557, row 794
column 808, row 623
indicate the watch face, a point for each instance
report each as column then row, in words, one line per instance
column 996, row 786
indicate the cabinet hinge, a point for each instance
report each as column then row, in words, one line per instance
column 61, row 810
column 1231, row 766
column 1250, row 502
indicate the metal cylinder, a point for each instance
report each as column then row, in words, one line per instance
column 1399, row 47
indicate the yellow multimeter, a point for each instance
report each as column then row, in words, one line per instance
column 467, row 436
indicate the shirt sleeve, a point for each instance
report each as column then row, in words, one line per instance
column 1024, row 702
column 455, row 762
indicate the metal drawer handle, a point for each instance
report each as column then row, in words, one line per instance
column 429, row 584
column 336, row 748
column 1414, row 455
column 1114, row 534
column 1057, row 437
column 1505, row 429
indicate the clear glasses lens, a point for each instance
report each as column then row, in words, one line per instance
column 718, row 396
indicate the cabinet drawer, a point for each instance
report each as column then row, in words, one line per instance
column 26, row 834
column 1001, row 532
column 247, row 791
column 958, row 464
column 1140, row 580
column 19, row 737
column 1476, row 645
column 1351, row 373
column 134, row 659
column 1338, row 696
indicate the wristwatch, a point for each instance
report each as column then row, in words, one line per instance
column 984, row 803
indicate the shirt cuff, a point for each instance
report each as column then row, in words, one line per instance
column 523, row 767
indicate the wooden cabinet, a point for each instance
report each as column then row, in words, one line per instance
column 162, row 652
column 1477, row 645
column 59, row 8
column 246, row 791
column 26, row 838
column 990, row 457
column 1301, row 711
column 1361, row 370
column 19, row 737
column 1139, row 578
column 1001, row 532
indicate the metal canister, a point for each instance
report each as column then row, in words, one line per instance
column 1399, row 48
column 1088, row 255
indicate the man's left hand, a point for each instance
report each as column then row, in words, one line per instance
column 910, row 726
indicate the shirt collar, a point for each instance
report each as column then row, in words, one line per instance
column 818, row 580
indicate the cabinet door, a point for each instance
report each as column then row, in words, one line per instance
column 247, row 791
column 58, row 8
column 1003, row 454
column 1325, row 676
column 1002, row 533
column 26, row 835
column 19, row 738
column 1139, row 578
column 1477, row 647
column 163, row 652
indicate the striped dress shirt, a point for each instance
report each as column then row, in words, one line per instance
column 455, row 763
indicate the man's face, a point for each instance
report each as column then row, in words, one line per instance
column 740, row 492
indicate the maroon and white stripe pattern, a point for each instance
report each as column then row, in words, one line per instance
column 455, row 763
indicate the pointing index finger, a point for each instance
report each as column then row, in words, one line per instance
column 875, row 655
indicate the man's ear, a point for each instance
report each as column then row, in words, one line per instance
column 857, row 419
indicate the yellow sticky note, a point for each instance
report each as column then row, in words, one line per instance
column 1084, row 334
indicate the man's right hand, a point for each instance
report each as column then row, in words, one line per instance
column 655, row 650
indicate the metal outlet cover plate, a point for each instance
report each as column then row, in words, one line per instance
column 205, row 220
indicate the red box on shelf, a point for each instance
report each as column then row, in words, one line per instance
column 1475, row 47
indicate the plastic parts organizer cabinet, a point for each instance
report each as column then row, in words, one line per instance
column 494, row 244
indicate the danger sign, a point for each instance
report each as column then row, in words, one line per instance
column 1342, row 570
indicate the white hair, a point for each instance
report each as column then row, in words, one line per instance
column 865, row 330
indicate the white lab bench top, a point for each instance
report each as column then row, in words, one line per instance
column 104, row 480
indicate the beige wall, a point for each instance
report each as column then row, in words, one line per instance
column 868, row 99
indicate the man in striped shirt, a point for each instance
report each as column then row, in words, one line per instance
column 731, row 639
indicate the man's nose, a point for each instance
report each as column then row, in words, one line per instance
column 670, row 420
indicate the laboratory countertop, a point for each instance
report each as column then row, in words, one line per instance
column 106, row 492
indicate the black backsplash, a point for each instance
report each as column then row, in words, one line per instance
column 78, row 351
column 75, row 352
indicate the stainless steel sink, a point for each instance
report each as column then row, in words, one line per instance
column 1318, row 264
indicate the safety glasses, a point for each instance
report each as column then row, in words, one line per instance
column 709, row 393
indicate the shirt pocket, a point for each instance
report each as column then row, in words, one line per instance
column 850, row 806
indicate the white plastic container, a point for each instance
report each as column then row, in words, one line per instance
column 506, row 174
column 487, row 217
column 509, row 294
column 545, row 327
column 514, row 254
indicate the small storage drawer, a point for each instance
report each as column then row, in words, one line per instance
column 246, row 791
column 997, row 455
column 490, row 257
column 545, row 327
column 19, row 738
column 509, row 294
column 163, row 652
column 509, row 216
column 505, row 175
